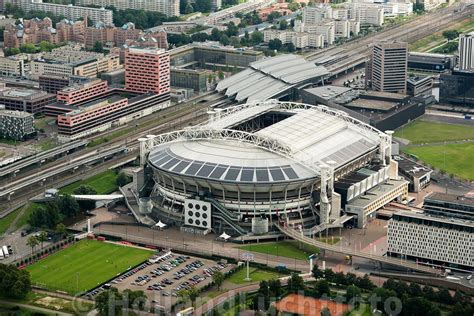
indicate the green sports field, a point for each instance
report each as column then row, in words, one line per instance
column 420, row 132
column 453, row 159
column 84, row 265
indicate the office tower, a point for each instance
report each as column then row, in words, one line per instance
column 389, row 67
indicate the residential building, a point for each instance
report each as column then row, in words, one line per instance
column 466, row 51
column 433, row 240
column 326, row 29
column 27, row 100
column 167, row 7
column 389, row 67
column 70, row 11
column 17, row 125
column 298, row 39
column 147, row 70
column 370, row 14
column 11, row 67
column 341, row 29
column 80, row 92
column 215, row 5
column 69, row 60
column 316, row 14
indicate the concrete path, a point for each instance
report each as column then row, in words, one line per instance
column 36, row 308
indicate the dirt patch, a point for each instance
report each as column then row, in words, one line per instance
column 52, row 302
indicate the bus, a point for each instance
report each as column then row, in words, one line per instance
column 5, row 251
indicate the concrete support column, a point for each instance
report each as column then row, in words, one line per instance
column 143, row 143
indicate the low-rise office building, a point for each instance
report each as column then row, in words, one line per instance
column 431, row 240
column 81, row 92
column 190, row 79
column 17, row 125
column 417, row 175
column 449, row 205
column 431, row 62
column 457, row 88
column 419, row 85
column 28, row 100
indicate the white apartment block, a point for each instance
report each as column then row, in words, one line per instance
column 429, row 5
column 299, row 39
column 167, row 7
column 354, row 27
column 438, row 240
column 216, row 5
column 367, row 14
column 391, row 8
column 466, row 51
column 11, row 67
column 340, row 13
column 70, row 12
column 341, row 29
column 313, row 15
column 325, row 28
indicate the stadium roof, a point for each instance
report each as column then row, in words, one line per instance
column 267, row 78
column 308, row 138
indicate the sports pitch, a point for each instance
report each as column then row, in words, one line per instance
column 84, row 265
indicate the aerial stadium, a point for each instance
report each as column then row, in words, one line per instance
column 257, row 164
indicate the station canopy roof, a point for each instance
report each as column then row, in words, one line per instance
column 266, row 78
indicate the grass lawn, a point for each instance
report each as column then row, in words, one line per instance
column 8, row 220
column 103, row 183
column 109, row 137
column 362, row 310
column 46, row 144
column 84, row 265
column 256, row 275
column 457, row 161
column 429, row 132
column 289, row 249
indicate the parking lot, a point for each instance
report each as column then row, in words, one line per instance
column 165, row 274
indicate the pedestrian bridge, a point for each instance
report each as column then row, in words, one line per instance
column 409, row 265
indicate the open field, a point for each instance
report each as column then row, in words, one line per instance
column 256, row 275
column 8, row 220
column 453, row 158
column 103, row 183
column 420, row 132
column 84, row 265
column 289, row 249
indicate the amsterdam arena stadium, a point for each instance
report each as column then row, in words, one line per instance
column 260, row 163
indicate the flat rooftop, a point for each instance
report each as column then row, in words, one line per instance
column 451, row 198
column 368, row 104
column 376, row 193
column 411, row 167
column 440, row 219
column 328, row 92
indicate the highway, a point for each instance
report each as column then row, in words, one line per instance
column 292, row 233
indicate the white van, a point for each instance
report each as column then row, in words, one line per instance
column 5, row 251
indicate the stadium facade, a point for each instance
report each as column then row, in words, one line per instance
column 260, row 163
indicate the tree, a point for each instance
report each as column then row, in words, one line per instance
column 135, row 299
column 325, row 312
column 203, row 6
column 365, row 283
column 68, row 205
column 317, row 273
column 294, row 6
column 444, row 296
column 192, row 293
column 275, row 44
column 14, row 283
column 353, row 292
column 295, row 283
column 32, row 241
column 189, row 9
column 42, row 237
column 272, row 16
column 415, row 290
column 261, row 301
column 61, row 229
column 274, row 287
column 218, row 279
column 429, row 293
column 46, row 46
column 106, row 300
column 98, row 47
column 86, row 190
column 322, row 287
column 123, row 179
column 44, row 216
column 256, row 37
column 450, row 34
column 340, row 278
column 283, row 25
column 329, row 275
column 419, row 306
column 379, row 296
column 290, row 47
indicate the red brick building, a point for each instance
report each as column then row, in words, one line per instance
column 147, row 70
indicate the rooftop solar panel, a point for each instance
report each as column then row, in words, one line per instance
column 277, row 174
column 218, row 172
column 195, row 166
column 232, row 174
column 247, row 175
column 180, row 167
column 206, row 170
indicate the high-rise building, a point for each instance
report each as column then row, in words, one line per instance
column 389, row 67
column 147, row 70
column 466, row 51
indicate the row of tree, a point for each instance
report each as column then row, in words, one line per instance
column 14, row 283
column 30, row 48
column 113, row 302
